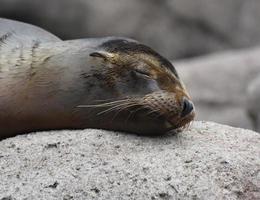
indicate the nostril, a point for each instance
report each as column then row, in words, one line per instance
column 187, row 107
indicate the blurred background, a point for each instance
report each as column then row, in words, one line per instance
column 212, row 43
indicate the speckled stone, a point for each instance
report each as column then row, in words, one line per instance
column 206, row 161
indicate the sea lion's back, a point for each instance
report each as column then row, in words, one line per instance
column 25, row 32
column 18, row 42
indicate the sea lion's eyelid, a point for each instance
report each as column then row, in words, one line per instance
column 142, row 72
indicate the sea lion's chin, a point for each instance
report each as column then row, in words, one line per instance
column 166, row 123
column 181, row 122
column 150, row 125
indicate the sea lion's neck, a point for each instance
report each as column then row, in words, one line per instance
column 35, row 79
column 37, row 70
column 18, row 54
column 25, row 57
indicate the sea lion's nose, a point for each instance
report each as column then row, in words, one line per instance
column 187, row 107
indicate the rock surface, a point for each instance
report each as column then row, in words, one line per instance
column 176, row 28
column 207, row 161
column 218, row 84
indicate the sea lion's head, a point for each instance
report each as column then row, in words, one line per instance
column 136, row 89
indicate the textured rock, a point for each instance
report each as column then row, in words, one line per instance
column 207, row 161
column 253, row 102
column 176, row 28
column 218, row 84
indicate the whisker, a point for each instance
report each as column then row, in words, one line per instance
column 110, row 100
column 159, row 115
column 121, row 109
column 133, row 112
column 120, row 106
column 113, row 108
column 189, row 125
column 152, row 111
column 103, row 104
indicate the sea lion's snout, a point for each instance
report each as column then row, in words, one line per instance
column 175, row 112
column 186, row 115
column 187, row 107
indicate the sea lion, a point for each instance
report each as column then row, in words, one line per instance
column 108, row 83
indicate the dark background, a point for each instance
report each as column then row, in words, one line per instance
column 176, row 28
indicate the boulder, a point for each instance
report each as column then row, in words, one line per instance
column 206, row 161
column 218, row 84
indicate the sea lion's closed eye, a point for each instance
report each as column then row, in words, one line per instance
column 142, row 72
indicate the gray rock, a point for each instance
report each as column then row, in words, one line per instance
column 253, row 103
column 218, row 84
column 176, row 28
column 206, row 161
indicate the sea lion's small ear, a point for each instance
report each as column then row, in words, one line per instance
column 106, row 56
column 99, row 54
